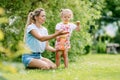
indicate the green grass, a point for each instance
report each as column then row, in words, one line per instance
column 89, row 67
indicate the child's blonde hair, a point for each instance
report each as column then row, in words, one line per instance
column 66, row 10
column 31, row 18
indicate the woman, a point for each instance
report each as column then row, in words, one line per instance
column 36, row 39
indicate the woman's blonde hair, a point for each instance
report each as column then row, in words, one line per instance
column 66, row 10
column 31, row 19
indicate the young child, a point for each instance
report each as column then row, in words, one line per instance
column 62, row 44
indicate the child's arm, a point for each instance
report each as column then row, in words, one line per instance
column 78, row 25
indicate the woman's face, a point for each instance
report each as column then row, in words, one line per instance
column 42, row 17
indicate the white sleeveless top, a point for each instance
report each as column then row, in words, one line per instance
column 34, row 44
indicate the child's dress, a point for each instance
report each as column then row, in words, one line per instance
column 63, row 42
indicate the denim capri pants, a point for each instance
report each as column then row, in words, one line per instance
column 26, row 58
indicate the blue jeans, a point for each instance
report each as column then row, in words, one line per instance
column 26, row 58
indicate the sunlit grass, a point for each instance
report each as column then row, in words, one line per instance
column 89, row 67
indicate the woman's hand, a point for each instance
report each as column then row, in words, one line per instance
column 50, row 48
column 61, row 32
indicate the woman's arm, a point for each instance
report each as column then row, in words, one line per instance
column 49, row 48
column 47, row 37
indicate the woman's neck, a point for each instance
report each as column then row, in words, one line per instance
column 38, row 25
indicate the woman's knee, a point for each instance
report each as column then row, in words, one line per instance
column 39, row 64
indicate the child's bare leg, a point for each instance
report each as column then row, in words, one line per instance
column 65, row 57
column 58, row 54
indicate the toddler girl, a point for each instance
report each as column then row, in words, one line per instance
column 62, row 44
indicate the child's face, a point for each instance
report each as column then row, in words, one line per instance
column 66, row 17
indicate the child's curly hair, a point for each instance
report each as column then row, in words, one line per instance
column 64, row 11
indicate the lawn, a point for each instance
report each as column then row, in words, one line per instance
column 88, row 67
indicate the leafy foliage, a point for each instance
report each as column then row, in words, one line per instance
column 113, row 8
column 16, row 12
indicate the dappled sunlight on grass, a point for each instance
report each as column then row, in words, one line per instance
column 89, row 67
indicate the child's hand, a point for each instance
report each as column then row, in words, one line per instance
column 78, row 23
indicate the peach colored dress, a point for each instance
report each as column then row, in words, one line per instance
column 63, row 42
